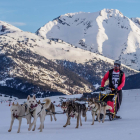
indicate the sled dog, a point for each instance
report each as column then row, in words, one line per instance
column 76, row 110
column 64, row 107
column 97, row 109
column 18, row 112
column 37, row 110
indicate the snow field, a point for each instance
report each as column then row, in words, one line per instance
column 127, row 128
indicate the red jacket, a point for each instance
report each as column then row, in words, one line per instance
column 107, row 76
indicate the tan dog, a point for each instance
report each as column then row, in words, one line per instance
column 19, row 112
column 97, row 109
column 50, row 110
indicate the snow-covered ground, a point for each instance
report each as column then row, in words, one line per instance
column 127, row 128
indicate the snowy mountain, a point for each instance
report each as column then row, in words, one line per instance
column 107, row 32
column 23, row 69
column 34, row 65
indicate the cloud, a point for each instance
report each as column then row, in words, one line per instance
column 17, row 23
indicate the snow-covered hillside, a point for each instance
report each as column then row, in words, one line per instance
column 24, row 52
column 126, row 128
column 107, row 32
column 52, row 64
column 136, row 21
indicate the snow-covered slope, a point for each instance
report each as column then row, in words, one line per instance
column 52, row 64
column 126, row 128
column 107, row 32
column 22, row 51
column 136, row 21
column 7, row 28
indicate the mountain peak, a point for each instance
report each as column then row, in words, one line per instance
column 7, row 28
column 107, row 32
column 70, row 15
column 111, row 12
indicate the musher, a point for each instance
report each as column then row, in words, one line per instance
column 116, row 82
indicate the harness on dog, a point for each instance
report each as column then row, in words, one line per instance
column 32, row 111
column 40, row 110
column 94, row 109
column 58, row 112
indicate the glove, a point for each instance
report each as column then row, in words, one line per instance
column 102, row 88
column 115, row 91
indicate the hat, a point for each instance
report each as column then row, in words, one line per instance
column 117, row 62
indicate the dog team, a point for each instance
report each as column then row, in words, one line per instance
column 35, row 109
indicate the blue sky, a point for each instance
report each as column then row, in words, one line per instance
column 29, row 15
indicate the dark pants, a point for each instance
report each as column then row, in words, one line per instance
column 118, row 101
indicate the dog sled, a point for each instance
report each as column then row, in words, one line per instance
column 101, row 97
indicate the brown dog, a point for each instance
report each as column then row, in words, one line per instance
column 64, row 107
column 75, row 109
